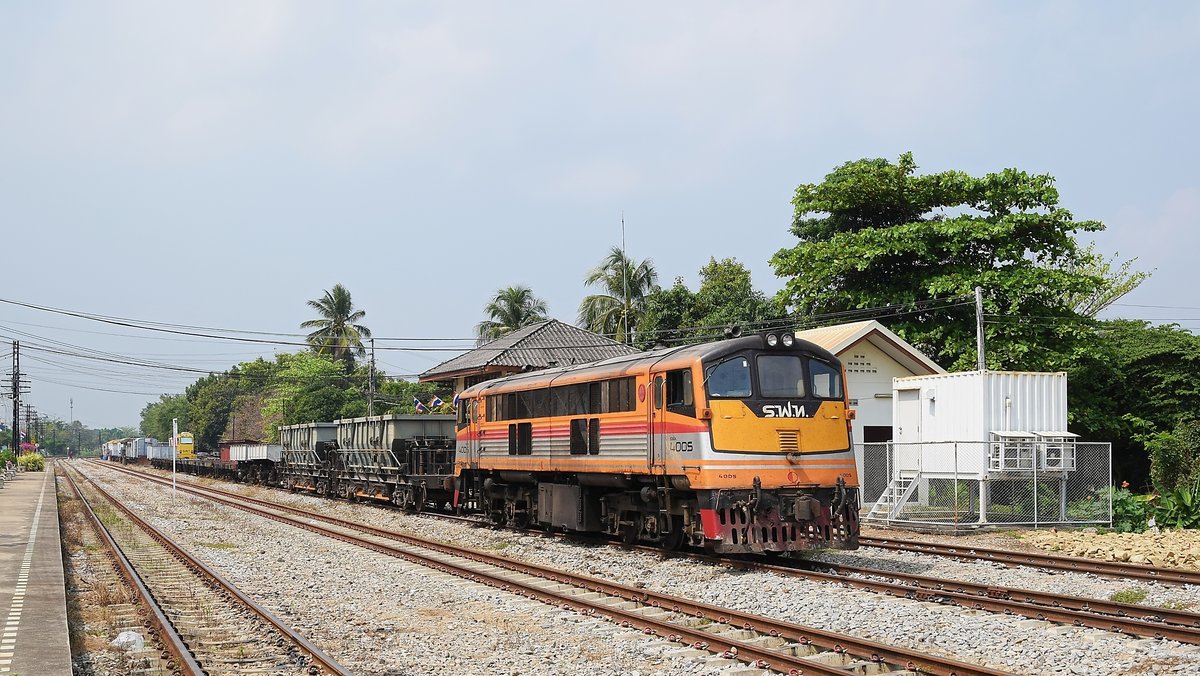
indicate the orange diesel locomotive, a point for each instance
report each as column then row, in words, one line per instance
column 741, row 445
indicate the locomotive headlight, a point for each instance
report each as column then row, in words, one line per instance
column 788, row 339
column 772, row 340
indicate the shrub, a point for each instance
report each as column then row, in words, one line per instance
column 1175, row 456
column 1179, row 508
column 1129, row 511
column 31, row 462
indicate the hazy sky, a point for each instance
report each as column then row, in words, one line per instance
column 217, row 164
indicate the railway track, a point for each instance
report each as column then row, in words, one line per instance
column 761, row 642
column 206, row 625
column 1121, row 618
column 105, row 588
column 1048, row 561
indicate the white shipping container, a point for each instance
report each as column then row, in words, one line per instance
column 972, row 405
column 247, row 452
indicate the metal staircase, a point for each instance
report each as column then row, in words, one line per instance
column 887, row 507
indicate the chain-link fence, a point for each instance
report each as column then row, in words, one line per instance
column 1028, row 480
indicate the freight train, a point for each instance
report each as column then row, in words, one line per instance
column 739, row 446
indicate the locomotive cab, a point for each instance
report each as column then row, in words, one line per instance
column 783, row 475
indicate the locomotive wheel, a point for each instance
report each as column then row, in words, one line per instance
column 629, row 534
column 515, row 517
column 496, row 516
column 674, row 538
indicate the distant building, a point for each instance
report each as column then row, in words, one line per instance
column 537, row 346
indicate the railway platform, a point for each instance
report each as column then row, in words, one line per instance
column 34, row 638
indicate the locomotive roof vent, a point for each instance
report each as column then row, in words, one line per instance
column 733, row 331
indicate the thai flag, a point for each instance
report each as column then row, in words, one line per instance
column 436, row 402
column 419, row 406
column 455, row 402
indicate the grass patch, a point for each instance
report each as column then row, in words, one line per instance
column 1134, row 595
column 500, row 545
column 1177, row 605
column 218, row 545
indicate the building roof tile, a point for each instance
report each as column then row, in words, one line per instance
column 540, row 345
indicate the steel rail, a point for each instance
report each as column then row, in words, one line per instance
column 1156, row 616
column 1120, row 618
column 324, row 661
column 757, row 656
column 172, row 641
column 1076, row 565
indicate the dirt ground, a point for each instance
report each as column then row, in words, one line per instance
column 1167, row 548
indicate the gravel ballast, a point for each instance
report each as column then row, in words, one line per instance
column 394, row 615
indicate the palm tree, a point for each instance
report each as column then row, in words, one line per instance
column 625, row 284
column 511, row 308
column 337, row 333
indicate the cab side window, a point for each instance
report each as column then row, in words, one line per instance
column 680, row 396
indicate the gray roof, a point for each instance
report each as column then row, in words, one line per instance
column 548, row 343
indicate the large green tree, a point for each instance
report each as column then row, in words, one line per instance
column 510, row 309
column 157, row 416
column 726, row 297
column 624, row 285
column 1131, row 384
column 1118, row 280
column 875, row 234
column 337, row 331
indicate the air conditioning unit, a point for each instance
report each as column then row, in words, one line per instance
column 1012, row 452
column 1057, row 451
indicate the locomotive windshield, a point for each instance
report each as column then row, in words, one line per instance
column 777, row 376
column 827, row 380
column 781, row 375
column 730, row 378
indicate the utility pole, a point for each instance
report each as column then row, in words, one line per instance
column 29, row 422
column 17, row 387
column 174, row 441
column 371, row 382
column 979, row 328
column 628, row 338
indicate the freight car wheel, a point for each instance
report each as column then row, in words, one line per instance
column 419, row 497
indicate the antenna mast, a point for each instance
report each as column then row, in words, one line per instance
column 625, row 281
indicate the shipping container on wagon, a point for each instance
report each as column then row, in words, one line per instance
column 244, row 452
